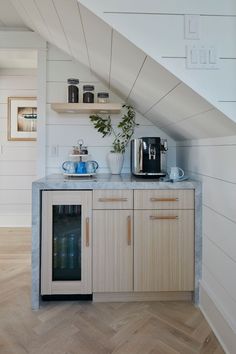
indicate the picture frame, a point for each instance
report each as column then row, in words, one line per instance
column 22, row 118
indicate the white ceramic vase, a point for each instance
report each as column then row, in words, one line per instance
column 115, row 162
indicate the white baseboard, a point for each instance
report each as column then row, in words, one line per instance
column 217, row 321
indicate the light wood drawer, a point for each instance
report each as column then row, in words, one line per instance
column 164, row 199
column 113, row 199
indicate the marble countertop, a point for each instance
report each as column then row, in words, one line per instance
column 108, row 181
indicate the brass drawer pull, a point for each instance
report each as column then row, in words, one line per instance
column 164, row 199
column 112, row 199
column 129, row 230
column 87, row 232
column 167, row 217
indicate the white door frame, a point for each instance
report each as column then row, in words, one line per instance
column 30, row 40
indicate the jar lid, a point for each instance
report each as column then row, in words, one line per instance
column 73, row 81
column 88, row 87
column 103, row 94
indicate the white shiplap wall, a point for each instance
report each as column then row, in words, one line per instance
column 17, row 158
column 64, row 130
column 213, row 162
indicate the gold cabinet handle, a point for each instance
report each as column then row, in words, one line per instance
column 112, row 199
column 164, row 199
column 129, row 230
column 87, row 232
column 164, row 217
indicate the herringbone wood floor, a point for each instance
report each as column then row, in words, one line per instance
column 89, row 328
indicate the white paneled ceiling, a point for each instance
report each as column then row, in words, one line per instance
column 98, row 39
column 126, row 69
column 172, row 108
column 152, row 84
column 9, row 17
column 124, row 55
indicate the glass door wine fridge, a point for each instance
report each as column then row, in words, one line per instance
column 66, row 242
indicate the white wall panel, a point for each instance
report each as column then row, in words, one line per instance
column 68, row 135
column 13, row 82
column 220, row 196
column 221, row 231
column 17, row 168
column 182, row 6
column 4, row 94
column 15, row 196
column 16, row 182
column 223, row 141
column 220, row 265
column 17, row 158
column 13, row 153
column 61, row 70
column 3, row 110
column 228, row 108
column 205, row 159
column 3, row 126
column 217, row 320
column 223, row 296
column 12, row 209
column 23, row 220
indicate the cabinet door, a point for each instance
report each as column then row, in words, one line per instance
column 163, row 250
column 112, row 250
column 66, row 242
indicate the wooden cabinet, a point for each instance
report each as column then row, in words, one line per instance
column 163, row 241
column 66, row 242
column 113, row 241
column 142, row 244
column 112, row 250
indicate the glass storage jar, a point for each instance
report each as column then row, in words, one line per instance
column 102, row 97
column 88, row 96
column 73, row 91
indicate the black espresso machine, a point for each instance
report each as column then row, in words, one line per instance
column 148, row 157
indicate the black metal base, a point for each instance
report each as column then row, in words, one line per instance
column 68, row 297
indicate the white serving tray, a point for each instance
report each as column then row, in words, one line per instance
column 79, row 174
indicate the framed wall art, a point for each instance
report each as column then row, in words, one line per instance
column 22, row 118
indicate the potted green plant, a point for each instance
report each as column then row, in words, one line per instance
column 122, row 135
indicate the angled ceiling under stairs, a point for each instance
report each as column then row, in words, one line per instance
column 126, row 69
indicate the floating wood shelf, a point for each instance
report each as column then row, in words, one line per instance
column 86, row 107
